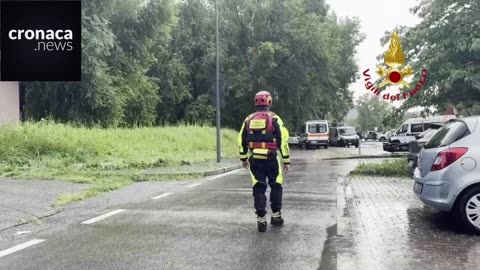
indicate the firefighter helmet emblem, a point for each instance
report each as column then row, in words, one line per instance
column 396, row 72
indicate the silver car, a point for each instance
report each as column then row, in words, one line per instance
column 448, row 176
column 294, row 140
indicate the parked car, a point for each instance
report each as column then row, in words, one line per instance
column 448, row 174
column 371, row 135
column 294, row 140
column 314, row 134
column 399, row 142
column 344, row 136
column 414, row 126
column 385, row 136
column 416, row 146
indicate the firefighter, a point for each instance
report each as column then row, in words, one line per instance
column 263, row 143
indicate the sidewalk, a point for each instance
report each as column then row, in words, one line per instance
column 29, row 201
column 393, row 230
column 202, row 169
column 25, row 201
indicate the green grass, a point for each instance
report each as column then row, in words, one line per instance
column 106, row 159
column 397, row 167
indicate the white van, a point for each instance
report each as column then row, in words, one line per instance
column 314, row 133
column 414, row 126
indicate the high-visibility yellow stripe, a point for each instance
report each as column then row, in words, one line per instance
column 254, row 180
column 280, row 172
column 259, row 157
column 260, row 151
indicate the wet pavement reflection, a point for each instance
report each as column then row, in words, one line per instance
column 392, row 229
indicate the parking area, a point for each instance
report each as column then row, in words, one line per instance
column 392, row 229
column 367, row 148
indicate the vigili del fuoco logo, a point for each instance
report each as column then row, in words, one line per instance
column 394, row 74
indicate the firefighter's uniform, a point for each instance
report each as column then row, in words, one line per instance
column 263, row 141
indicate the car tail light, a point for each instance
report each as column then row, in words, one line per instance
column 447, row 157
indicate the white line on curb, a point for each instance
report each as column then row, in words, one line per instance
column 222, row 175
column 20, row 247
column 161, row 196
column 194, row 185
column 104, row 216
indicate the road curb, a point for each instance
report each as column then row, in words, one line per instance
column 346, row 254
column 198, row 173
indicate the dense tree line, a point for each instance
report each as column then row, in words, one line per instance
column 447, row 44
column 152, row 62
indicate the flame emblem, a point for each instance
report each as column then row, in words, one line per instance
column 395, row 59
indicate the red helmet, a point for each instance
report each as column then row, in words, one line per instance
column 263, row 98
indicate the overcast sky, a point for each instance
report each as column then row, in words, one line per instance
column 376, row 16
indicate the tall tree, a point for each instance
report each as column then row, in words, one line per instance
column 447, row 43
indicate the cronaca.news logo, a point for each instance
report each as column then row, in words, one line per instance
column 394, row 74
column 45, row 40
column 40, row 40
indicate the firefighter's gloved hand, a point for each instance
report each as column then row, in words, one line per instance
column 245, row 164
column 286, row 168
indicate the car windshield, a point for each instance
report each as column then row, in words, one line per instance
column 317, row 128
column 448, row 134
column 347, row 131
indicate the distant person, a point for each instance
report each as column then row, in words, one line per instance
column 263, row 142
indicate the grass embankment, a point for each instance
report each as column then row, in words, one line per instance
column 105, row 158
column 397, row 167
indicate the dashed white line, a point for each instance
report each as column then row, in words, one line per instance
column 222, row 175
column 104, row 216
column 20, row 247
column 194, row 185
column 161, row 196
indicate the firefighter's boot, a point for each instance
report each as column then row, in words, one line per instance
column 277, row 219
column 262, row 223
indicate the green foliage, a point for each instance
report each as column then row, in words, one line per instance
column 105, row 159
column 50, row 146
column 149, row 62
column 374, row 112
column 396, row 167
column 447, row 43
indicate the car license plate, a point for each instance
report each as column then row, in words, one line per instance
column 418, row 187
column 410, row 164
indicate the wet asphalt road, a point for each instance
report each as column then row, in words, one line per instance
column 208, row 226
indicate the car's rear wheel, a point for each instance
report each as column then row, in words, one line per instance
column 467, row 209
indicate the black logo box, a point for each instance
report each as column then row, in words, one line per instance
column 20, row 61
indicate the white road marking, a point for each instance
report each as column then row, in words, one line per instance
column 23, row 232
column 104, row 216
column 20, row 247
column 194, row 185
column 161, row 196
column 225, row 174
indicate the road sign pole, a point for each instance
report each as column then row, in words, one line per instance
column 359, row 146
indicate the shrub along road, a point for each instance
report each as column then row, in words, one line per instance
column 204, row 224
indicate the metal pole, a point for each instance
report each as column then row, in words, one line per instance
column 217, row 90
column 359, row 146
